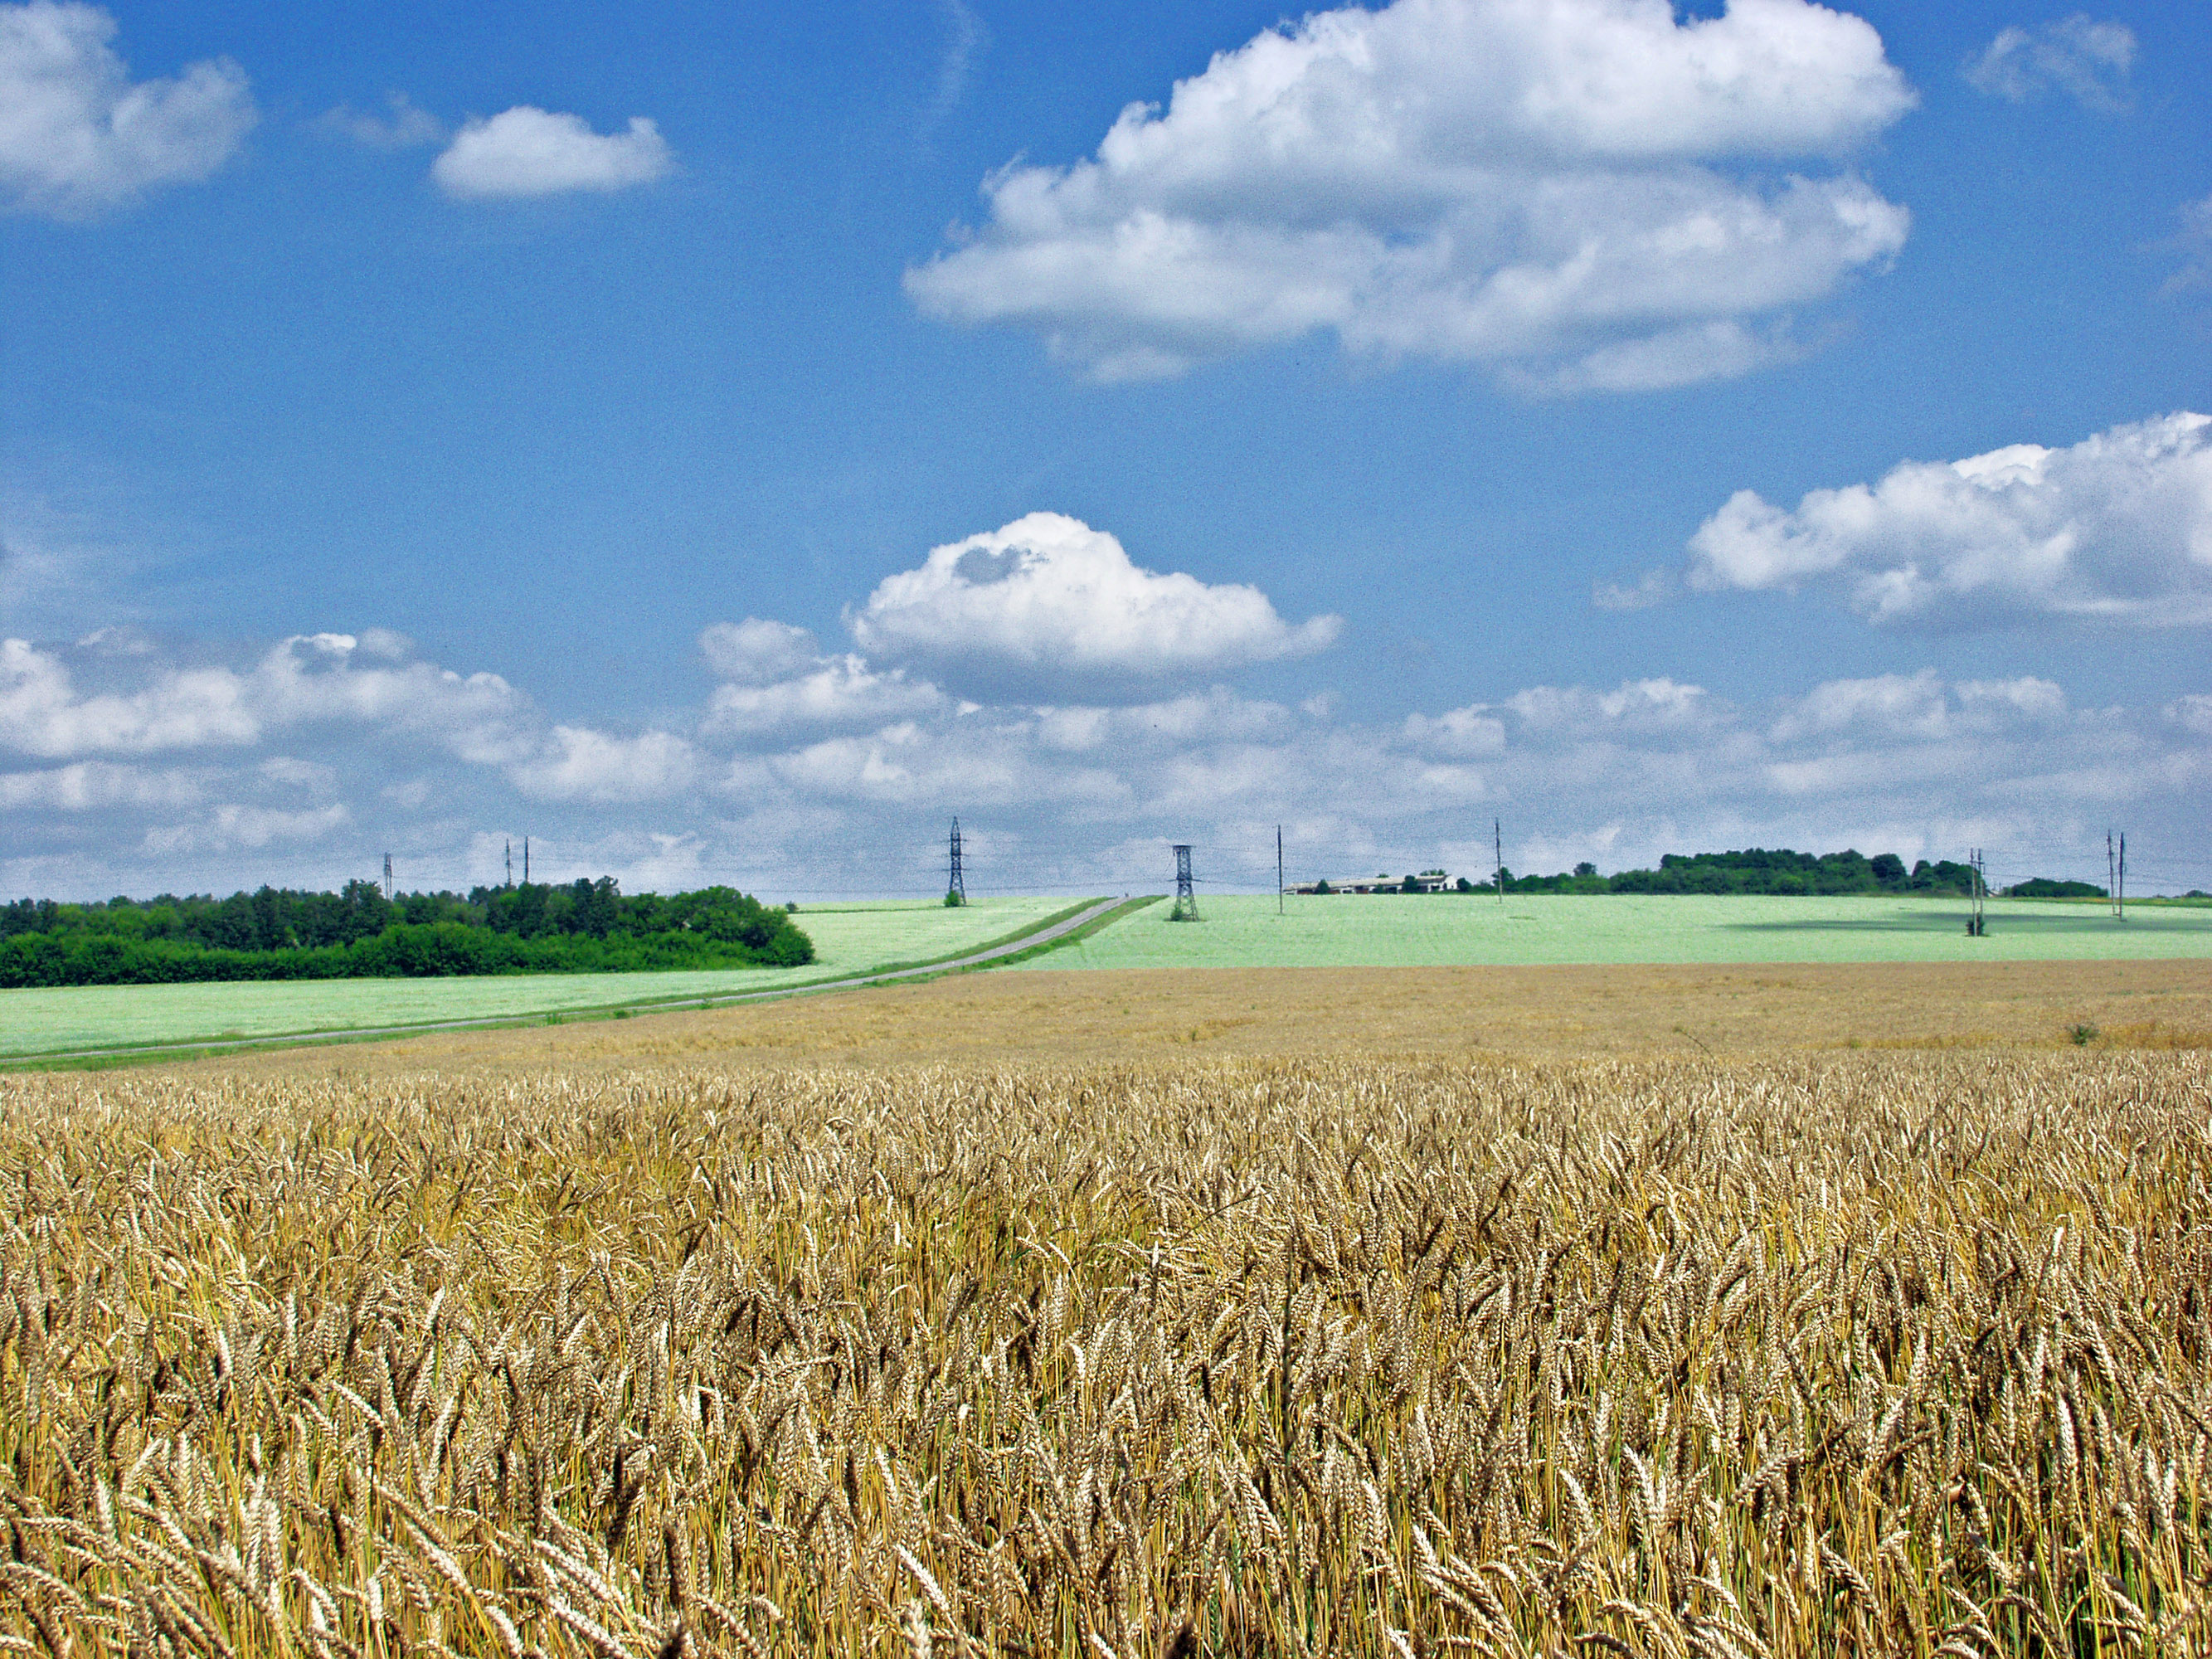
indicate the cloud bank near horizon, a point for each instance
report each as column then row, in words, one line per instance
column 817, row 773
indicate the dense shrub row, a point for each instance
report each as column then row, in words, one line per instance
column 736, row 932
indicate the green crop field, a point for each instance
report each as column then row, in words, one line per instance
column 1243, row 931
column 848, row 938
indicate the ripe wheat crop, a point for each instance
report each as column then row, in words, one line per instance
column 1902, row 1354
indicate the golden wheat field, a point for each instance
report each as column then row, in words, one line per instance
column 1852, row 1353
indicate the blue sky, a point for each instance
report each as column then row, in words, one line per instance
column 724, row 443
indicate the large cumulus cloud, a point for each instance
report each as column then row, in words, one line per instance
column 1586, row 194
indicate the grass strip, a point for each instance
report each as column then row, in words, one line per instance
column 123, row 1054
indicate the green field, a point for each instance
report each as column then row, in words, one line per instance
column 1241, row 931
column 848, row 938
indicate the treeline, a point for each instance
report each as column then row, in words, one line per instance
column 1758, row 870
column 584, row 926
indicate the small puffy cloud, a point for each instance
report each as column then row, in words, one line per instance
column 94, row 786
column 1634, row 706
column 77, row 135
column 579, row 763
column 2192, row 712
column 528, row 151
column 1589, row 195
column 776, row 679
column 755, row 652
column 231, row 826
column 1653, row 587
column 2084, row 58
column 841, row 691
column 1047, row 598
column 313, row 677
column 1214, row 717
column 2119, row 528
column 1920, row 705
column 403, row 125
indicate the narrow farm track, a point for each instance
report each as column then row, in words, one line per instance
column 1050, row 933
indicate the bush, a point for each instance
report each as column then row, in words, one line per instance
column 2042, row 887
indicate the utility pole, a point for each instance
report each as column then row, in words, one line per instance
column 510, row 862
column 1278, row 869
column 2120, row 881
column 388, row 878
column 955, row 887
column 1977, row 923
column 1186, row 902
column 2111, row 876
column 1498, row 846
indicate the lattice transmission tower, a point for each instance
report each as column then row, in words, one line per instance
column 1186, row 902
column 956, row 885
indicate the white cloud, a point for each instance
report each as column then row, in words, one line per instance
column 1587, row 194
column 77, row 135
column 305, row 680
column 528, row 151
column 311, row 679
column 777, row 680
column 41, row 712
column 92, row 785
column 1652, row 705
column 232, row 826
column 2119, row 528
column 842, row 692
column 754, row 652
column 2191, row 714
column 2086, row 59
column 2194, row 244
column 1921, row 705
column 579, row 763
column 1207, row 719
column 345, row 753
column 404, row 126
column 1047, row 598
column 966, row 39
column 1465, row 732
column 1653, row 587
